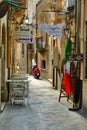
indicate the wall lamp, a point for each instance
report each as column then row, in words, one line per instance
column 67, row 31
column 25, row 19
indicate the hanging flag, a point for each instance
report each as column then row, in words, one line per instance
column 68, row 49
column 67, row 78
column 54, row 30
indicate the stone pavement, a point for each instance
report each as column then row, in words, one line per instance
column 44, row 112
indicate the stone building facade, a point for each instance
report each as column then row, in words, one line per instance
column 47, row 51
column 7, row 57
column 45, row 41
column 83, row 49
column 3, row 61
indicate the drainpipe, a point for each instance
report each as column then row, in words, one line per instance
column 82, row 26
column 8, row 54
column 82, row 35
column 8, row 48
column 78, row 24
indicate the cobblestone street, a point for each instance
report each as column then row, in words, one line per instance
column 44, row 112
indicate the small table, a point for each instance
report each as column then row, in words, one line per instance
column 25, row 81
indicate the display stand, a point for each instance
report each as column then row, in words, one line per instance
column 75, row 67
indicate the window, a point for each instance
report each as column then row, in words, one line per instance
column 22, row 49
column 43, row 64
column 69, row 3
column 40, row 43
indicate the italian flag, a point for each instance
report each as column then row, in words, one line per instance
column 68, row 49
column 67, row 78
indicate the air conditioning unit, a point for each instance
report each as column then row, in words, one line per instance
column 1, row 51
column 69, row 3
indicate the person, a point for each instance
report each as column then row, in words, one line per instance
column 33, row 62
column 16, row 68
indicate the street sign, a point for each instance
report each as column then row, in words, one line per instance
column 26, row 40
column 23, row 34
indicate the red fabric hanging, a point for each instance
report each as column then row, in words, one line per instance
column 67, row 82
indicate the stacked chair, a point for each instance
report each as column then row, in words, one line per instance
column 17, row 90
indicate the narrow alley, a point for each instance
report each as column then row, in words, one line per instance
column 44, row 112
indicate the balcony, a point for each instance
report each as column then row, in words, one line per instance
column 40, row 44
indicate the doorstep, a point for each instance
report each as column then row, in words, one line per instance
column 3, row 104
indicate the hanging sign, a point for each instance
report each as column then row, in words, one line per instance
column 23, row 34
column 20, row 34
column 75, row 57
column 22, row 31
column 24, row 28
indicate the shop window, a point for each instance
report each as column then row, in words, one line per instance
column 43, row 64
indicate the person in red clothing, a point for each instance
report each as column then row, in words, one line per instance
column 35, row 71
